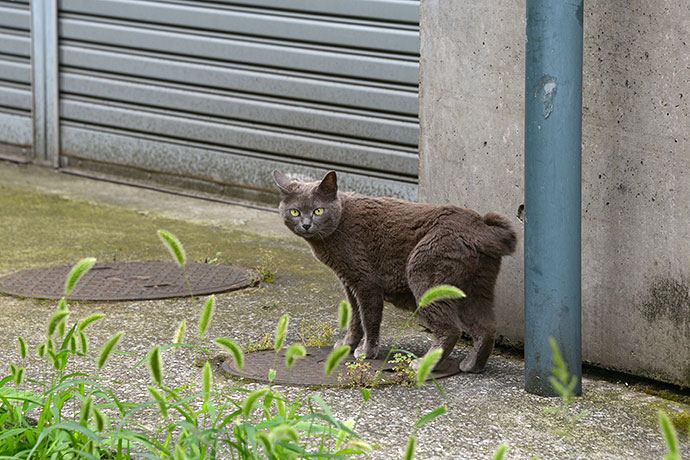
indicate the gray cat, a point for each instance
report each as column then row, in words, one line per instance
column 394, row 250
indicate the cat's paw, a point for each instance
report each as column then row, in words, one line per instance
column 364, row 351
column 414, row 364
column 471, row 366
column 345, row 341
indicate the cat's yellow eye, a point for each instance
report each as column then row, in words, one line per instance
column 294, row 212
column 318, row 211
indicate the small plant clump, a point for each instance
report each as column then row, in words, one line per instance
column 263, row 343
column 266, row 268
column 316, row 334
column 358, row 374
column 213, row 260
column 403, row 372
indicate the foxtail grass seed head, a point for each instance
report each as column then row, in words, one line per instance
column 108, row 349
column 52, row 357
column 22, row 347
column 162, row 405
column 251, row 400
column 85, row 411
column 207, row 381
column 62, row 306
column 41, row 350
column 336, row 357
column 344, row 314
column 72, row 343
column 155, row 363
column 281, row 330
column 441, row 292
column 55, row 320
column 361, row 446
column 409, row 450
column 284, row 432
column 80, row 269
column 271, row 375
column 17, row 374
column 265, row 443
column 206, row 314
column 280, row 403
column 174, row 247
column 234, row 350
column 294, row 352
column 88, row 320
column 427, row 364
column 83, row 343
column 179, row 335
column 100, row 419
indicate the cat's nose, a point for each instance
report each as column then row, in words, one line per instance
column 306, row 226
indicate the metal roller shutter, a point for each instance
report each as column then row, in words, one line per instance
column 228, row 91
column 15, row 78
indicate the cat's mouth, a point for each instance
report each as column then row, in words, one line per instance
column 306, row 233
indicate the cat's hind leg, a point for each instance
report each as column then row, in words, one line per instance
column 439, row 259
column 477, row 315
column 440, row 319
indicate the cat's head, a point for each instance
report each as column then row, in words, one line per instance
column 309, row 209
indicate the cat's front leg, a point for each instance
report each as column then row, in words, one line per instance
column 370, row 303
column 354, row 332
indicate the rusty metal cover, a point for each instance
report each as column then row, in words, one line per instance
column 129, row 281
column 310, row 370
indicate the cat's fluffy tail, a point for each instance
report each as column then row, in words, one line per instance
column 500, row 238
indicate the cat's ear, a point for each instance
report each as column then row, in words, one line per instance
column 281, row 181
column 329, row 186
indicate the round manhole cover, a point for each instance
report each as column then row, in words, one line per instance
column 310, row 370
column 129, row 281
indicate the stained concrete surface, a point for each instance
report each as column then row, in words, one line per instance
column 635, row 163
column 49, row 218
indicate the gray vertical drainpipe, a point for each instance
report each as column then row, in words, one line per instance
column 553, row 135
column 44, row 69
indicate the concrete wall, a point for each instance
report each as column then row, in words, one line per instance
column 636, row 163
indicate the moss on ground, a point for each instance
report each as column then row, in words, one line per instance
column 41, row 230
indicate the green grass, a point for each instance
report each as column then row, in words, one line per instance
column 66, row 419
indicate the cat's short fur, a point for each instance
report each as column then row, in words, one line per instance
column 393, row 250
